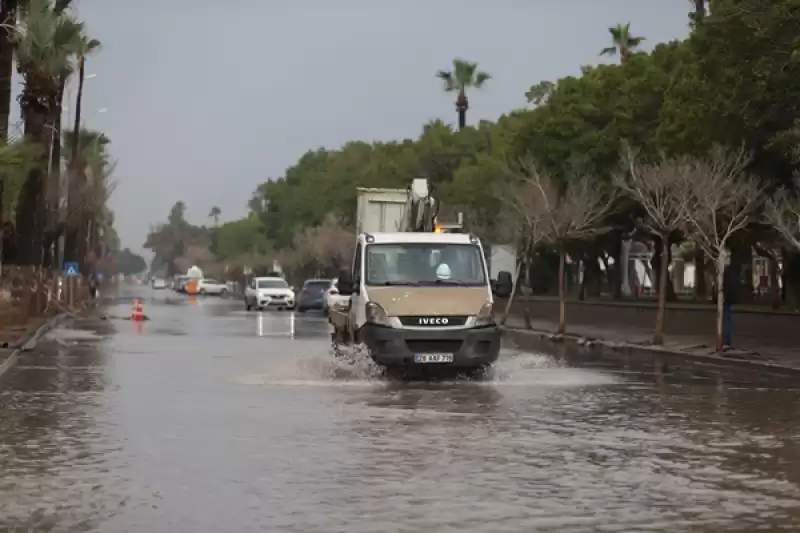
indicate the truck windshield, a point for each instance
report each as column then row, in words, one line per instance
column 424, row 264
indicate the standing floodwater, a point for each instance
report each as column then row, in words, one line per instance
column 209, row 418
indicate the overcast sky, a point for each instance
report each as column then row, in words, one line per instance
column 208, row 99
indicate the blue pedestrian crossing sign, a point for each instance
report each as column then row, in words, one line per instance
column 71, row 269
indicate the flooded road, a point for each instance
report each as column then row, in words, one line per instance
column 212, row 419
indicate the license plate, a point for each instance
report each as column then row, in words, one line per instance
column 433, row 358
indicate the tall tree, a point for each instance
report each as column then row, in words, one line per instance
column 464, row 76
column 8, row 39
column 699, row 13
column 44, row 47
column 622, row 42
column 87, row 213
column 82, row 48
column 8, row 14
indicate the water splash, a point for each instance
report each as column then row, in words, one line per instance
column 331, row 367
column 352, row 366
column 516, row 367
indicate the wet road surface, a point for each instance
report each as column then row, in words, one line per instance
column 211, row 419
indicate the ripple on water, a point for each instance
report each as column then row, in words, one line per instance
column 537, row 446
column 65, row 334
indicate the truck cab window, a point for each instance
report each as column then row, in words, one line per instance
column 423, row 264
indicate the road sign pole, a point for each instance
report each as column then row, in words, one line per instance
column 71, row 271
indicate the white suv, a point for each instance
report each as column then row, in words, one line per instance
column 263, row 293
column 211, row 286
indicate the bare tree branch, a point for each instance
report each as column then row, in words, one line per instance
column 661, row 189
column 557, row 216
column 723, row 199
column 328, row 247
column 782, row 211
column 578, row 213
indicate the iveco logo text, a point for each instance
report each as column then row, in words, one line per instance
column 434, row 321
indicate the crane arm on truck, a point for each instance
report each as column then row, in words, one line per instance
column 421, row 207
column 422, row 210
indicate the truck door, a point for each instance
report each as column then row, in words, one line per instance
column 357, row 299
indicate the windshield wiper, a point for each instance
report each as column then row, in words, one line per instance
column 399, row 283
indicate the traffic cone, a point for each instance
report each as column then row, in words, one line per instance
column 138, row 312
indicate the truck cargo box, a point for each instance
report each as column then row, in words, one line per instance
column 380, row 209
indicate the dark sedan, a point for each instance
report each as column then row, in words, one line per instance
column 312, row 295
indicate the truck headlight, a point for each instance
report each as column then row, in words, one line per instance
column 376, row 315
column 485, row 316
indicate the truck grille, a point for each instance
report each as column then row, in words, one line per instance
column 433, row 346
column 433, row 321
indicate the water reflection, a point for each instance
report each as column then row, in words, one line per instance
column 223, row 420
column 52, row 424
column 271, row 325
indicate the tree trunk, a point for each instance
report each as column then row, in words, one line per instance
column 8, row 15
column 658, row 334
column 562, row 303
column 625, row 286
column 55, row 152
column 700, row 287
column 510, row 301
column 31, row 210
column 72, row 248
column 774, row 286
column 699, row 10
column 619, row 271
column 54, row 186
column 720, row 298
column 462, row 104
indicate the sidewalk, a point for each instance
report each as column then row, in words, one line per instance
column 743, row 347
column 24, row 338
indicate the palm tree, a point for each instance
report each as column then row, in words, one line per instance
column 8, row 17
column 44, row 42
column 699, row 11
column 91, row 170
column 9, row 10
column 465, row 75
column 215, row 213
column 82, row 48
column 622, row 42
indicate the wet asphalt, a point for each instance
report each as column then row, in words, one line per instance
column 209, row 418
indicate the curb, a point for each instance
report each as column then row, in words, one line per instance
column 659, row 360
column 32, row 341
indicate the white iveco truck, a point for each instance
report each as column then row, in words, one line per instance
column 419, row 291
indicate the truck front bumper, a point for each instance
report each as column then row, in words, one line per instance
column 396, row 347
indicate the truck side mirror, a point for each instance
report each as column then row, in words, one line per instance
column 345, row 282
column 504, row 284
